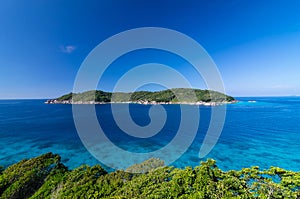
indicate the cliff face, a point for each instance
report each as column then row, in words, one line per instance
column 170, row 96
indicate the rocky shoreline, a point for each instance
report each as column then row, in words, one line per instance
column 54, row 101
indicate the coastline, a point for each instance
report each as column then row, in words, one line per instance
column 199, row 103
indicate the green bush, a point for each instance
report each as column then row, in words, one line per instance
column 46, row 177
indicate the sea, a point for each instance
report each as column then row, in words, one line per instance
column 258, row 131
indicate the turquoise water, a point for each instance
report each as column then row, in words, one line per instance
column 264, row 133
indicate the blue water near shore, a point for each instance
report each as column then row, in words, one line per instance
column 264, row 133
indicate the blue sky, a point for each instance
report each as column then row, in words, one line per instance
column 255, row 44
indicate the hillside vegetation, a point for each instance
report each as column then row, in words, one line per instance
column 170, row 95
column 46, row 177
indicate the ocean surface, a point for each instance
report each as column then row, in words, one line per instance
column 262, row 131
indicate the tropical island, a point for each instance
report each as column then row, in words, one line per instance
column 47, row 177
column 169, row 96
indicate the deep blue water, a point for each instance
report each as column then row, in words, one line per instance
column 263, row 133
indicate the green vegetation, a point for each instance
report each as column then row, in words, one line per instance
column 27, row 176
column 46, row 177
column 146, row 166
column 170, row 95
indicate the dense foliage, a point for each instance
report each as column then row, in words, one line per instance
column 46, row 177
column 170, row 95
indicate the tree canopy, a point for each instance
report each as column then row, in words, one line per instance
column 46, row 177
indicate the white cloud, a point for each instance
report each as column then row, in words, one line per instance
column 68, row 49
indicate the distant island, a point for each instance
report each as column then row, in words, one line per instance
column 169, row 96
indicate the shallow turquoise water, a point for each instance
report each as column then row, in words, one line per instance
column 263, row 133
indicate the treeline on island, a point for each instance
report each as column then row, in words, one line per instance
column 46, row 177
column 176, row 95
